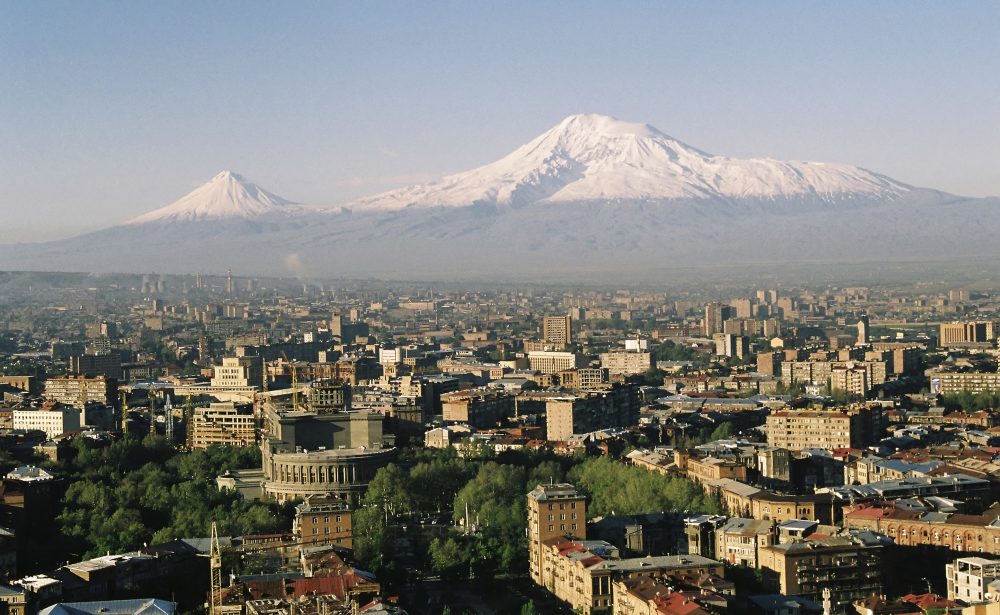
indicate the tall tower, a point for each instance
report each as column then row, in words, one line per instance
column 557, row 330
column 229, row 282
column 554, row 510
column 863, row 335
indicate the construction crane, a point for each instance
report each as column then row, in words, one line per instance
column 295, row 381
column 215, row 563
column 124, row 412
column 188, row 422
column 168, row 412
column 152, row 412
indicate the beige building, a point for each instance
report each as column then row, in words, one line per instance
column 626, row 362
column 589, row 411
column 239, row 372
column 554, row 510
column 223, row 423
column 701, row 470
column 963, row 333
column 849, row 379
column 479, row 408
column 738, row 540
column 583, row 573
column 829, row 429
column 324, row 521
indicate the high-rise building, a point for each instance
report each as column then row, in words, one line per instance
column 556, row 330
column 715, row 315
column 555, row 509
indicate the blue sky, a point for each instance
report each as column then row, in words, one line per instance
column 110, row 109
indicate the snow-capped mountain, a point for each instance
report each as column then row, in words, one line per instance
column 599, row 158
column 594, row 198
column 227, row 196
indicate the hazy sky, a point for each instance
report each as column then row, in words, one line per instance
column 110, row 109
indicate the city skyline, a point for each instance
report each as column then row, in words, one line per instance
column 116, row 110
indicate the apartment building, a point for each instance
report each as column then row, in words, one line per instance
column 944, row 383
column 830, row 429
column 557, row 331
column 738, row 540
column 324, row 521
column 554, row 510
column 617, row 406
column 626, row 362
column 77, row 391
column 849, row 566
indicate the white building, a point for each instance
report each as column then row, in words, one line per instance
column 969, row 579
column 53, row 420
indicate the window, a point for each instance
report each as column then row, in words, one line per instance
column 326, row 530
column 315, row 531
column 338, row 518
column 326, row 519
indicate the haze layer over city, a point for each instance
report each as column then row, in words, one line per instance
column 535, row 308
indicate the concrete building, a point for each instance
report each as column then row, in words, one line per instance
column 969, row 579
column 239, row 372
column 702, row 469
column 850, row 567
column 944, row 382
column 617, row 406
column 626, row 362
column 583, row 573
column 957, row 334
column 480, row 408
column 715, row 315
column 852, row 380
column 308, row 453
column 223, row 423
column 107, row 364
column 799, row 429
column 550, row 362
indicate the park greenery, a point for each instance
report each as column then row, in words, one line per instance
column 971, row 402
column 486, row 507
column 434, row 511
column 125, row 494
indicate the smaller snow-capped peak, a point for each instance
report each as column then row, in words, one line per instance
column 226, row 196
column 592, row 157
